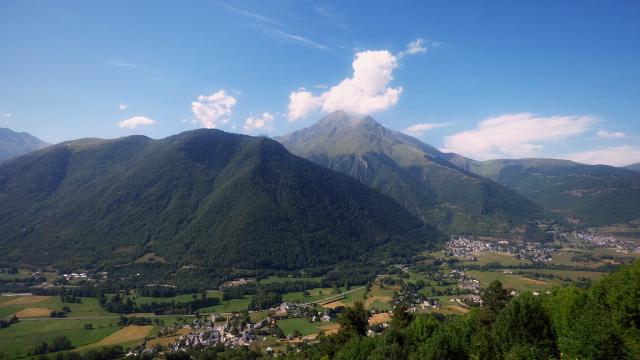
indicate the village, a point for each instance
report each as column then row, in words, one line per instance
column 463, row 247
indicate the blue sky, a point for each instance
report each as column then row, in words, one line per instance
column 483, row 78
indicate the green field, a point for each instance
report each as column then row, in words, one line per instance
column 280, row 279
column 314, row 295
column 488, row 257
column 352, row 297
column 571, row 274
column 88, row 307
column 179, row 298
column 302, row 325
column 232, row 305
column 516, row 282
column 23, row 336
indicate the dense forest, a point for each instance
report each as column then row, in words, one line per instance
column 203, row 198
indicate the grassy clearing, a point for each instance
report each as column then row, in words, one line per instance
column 516, row 282
column 487, row 257
column 232, row 305
column 379, row 298
column 23, row 336
column 314, row 295
column 352, row 297
column 178, row 298
column 88, row 307
column 123, row 336
column 571, row 274
column 302, row 325
column 278, row 279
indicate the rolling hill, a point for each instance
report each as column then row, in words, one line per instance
column 14, row 144
column 202, row 198
column 634, row 167
column 590, row 195
column 416, row 175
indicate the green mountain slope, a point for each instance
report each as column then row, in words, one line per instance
column 14, row 144
column 591, row 195
column 414, row 174
column 203, row 197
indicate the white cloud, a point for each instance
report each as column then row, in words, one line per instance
column 258, row 122
column 7, row 115
column 366, row 92
column 212, row 110
column 515, row 135
column 419, row 129
column 136, row 121
column 122, row 106
column 124, row 64
column 615, row 156
column 603, row 134
column 414, row 47
column 418, row 46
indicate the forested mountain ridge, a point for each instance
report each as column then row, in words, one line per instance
column 416, row 175
column 590, row 195
column 203, row 197
column 14, row 144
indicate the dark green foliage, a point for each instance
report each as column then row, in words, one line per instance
column 203, row 197
column 416, row 175
column 522, row 325
column 265, row 300
column 354, row 320
column 59, row 343
column 594, row 194
column 495, row 297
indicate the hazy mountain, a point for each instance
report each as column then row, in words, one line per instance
column 14, row 144
column 417, row 175
column 591, row 195
column 202, row 197
column 634, row 167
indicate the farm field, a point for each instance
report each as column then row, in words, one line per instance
column 314, row 295
column 125, row 335
column 278, row 279
column 519, row 283
column 10, row 305
column 229, row 306
column 487, row 257
column 570, row 274
column 302, row 325
column 21, row 337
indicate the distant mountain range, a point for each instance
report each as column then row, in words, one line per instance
column 202, row 198
column 461, row 195
column 417, row 175
column 14, row 144
column 634, row 167
column 591, row 195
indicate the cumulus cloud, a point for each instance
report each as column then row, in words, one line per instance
column 366, row 92
column 419, row 129
column 258, row 122
column 615, row 156
column 603, row 134
column 515, row 135
column 213, row 110
column 122, row 106
column 136, row 121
